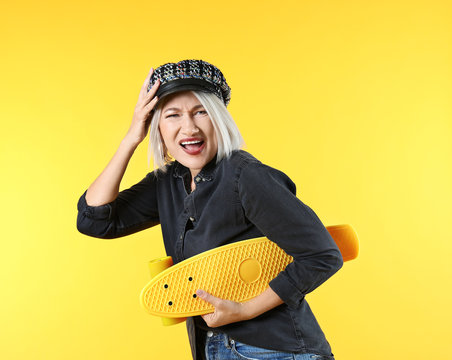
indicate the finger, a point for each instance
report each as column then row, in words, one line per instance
column 150, row 99
column 207, row 318
column 210, row 320
column 208, row 297
column 150, row 94
column 149, row 106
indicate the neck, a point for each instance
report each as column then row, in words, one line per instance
column 194, row 172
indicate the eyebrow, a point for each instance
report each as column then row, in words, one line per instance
column 175, row 108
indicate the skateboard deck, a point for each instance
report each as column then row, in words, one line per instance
column 237, row 272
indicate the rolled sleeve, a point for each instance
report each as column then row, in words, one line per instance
column 269, row 201
column 102, row 212
column 133, row 210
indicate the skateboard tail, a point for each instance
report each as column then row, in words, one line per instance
column 156, row 266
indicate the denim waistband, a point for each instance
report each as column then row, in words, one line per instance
column 216, row 336
column 222, row 339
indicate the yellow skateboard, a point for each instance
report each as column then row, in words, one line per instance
column 237, row 271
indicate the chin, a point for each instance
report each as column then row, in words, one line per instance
column 195, row 163
column 192, row 162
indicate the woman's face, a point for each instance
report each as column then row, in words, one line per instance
column 187, row 131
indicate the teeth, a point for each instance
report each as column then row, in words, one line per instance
column 190, row 142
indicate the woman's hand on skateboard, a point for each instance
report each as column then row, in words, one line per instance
column 226, row 311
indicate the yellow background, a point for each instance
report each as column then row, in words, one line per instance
column 352, row 99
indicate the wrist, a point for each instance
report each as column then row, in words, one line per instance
column 246, row 312
column 129, row 143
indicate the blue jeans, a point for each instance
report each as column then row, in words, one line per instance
column 220, row 346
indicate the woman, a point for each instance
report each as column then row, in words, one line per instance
column 210, row 195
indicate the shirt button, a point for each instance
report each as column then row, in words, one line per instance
column 181, row 237
column 192, row 218
column 209, row 333
column 197, row 179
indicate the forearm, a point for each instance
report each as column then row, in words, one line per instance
column 105, row 188
column 260, row 304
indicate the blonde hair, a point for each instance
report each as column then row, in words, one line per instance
column 226, row 131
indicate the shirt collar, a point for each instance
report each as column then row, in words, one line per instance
column 206, row 173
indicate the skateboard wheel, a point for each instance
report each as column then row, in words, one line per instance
column 346, row 240
column 172, row 321
column 156, row 266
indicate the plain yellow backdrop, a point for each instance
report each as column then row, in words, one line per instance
column 352, row 99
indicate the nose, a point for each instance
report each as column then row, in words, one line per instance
column 188, row 125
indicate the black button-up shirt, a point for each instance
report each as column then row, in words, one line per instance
column 237, row 199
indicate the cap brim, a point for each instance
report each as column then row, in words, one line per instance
column 178, row 85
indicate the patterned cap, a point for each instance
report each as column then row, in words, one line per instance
column 190, row 75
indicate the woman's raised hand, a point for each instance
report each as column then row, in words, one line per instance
column 141, row 119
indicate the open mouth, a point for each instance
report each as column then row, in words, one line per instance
column 192, row 146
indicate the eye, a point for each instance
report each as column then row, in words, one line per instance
column 171, row 115
column 202, row 111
